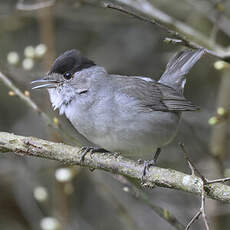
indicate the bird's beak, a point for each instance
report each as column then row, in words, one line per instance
column 48, row 83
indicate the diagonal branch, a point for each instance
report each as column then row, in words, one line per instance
column 26, row 99
column 31, row 104
column 35, row 6
column 31, row 146
column 205, row 182
column 145, row 11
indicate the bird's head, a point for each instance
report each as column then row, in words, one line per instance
column 70, row 75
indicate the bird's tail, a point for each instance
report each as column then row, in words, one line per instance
column 178, row 67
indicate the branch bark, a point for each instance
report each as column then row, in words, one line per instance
column 31, row 146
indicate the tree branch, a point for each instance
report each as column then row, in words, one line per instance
column 145, row 11
column 35, row 6
column 26, row 99
column 31, row 146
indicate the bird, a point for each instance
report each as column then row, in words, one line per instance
column 130, row 115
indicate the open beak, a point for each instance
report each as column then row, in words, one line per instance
column 45, row 83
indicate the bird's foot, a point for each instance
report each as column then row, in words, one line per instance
column 85, row 150
column 116, row 154
column 89, row 150
column 147, row 165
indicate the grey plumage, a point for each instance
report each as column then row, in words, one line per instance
column 127, row 114
column 178, row 67
column 154, row 96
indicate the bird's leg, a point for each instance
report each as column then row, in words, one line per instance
column 149, row 163
column 156, row 155
column 86, row 149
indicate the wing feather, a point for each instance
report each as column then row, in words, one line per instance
column 153, row 95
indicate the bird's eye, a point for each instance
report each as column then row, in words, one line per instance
column 67, row 75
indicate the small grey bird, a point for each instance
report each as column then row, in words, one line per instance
column 131, row 115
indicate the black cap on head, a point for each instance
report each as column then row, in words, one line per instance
column 71, row 61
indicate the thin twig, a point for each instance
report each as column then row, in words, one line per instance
column 191, row 164
column 154, row 22
column 204, row 182
column 36, row 6
column 195, row 217
column 29, row 102
column 203, row 212
column 183, row 40
column 5, row 80
column 222, row 180
column 182, row 28
column 200, row 212
column 191, row 168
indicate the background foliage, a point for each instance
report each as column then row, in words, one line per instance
column 124, row 45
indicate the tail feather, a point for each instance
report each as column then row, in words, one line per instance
column 178, row 67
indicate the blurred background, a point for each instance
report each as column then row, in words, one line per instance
column 41, row 194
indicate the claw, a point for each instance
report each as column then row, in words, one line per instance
column 116, row 154
column 85, row 150
column 147, row 165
